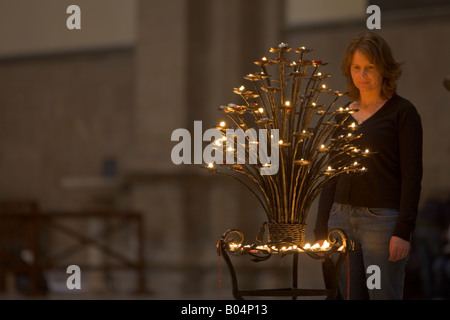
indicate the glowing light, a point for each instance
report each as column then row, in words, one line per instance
column 325, row 245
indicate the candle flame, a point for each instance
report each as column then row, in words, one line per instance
column 325, row 245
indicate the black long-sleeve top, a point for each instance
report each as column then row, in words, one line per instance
column 393, row 179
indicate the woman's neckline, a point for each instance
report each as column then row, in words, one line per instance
column 373, row 114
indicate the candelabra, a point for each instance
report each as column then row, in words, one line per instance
column 312, row 143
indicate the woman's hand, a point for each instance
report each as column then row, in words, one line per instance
column 398, row 249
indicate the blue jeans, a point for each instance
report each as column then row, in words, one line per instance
column 371, row 230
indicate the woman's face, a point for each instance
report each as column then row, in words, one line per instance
column 365, row 75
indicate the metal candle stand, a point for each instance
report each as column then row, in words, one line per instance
column 338, row 244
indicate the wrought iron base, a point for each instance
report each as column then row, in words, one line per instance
column 339, row 245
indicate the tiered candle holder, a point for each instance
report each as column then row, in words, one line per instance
column 284, row 108
column 310, row 153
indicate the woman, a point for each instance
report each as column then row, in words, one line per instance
column 378, row 209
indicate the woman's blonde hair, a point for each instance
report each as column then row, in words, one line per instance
column 379, row 53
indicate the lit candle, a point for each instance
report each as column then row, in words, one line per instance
column 330, row 170
column 367, row 153
column 284, row 144
column 302, row 162
column 286, row 105
column 325, row 246
column 211, row 167
column 323, row 148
